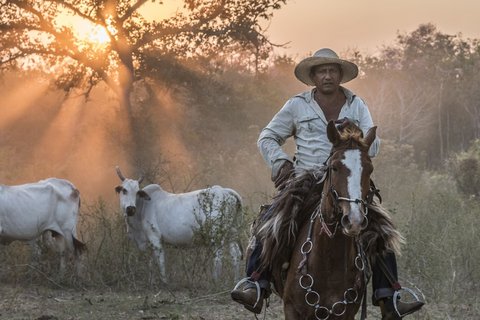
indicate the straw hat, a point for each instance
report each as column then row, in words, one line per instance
column 324, row 56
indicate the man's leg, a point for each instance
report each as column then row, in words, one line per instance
column 385, row 283
column 252, row 290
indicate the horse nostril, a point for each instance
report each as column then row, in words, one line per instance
column 130, row 211
column 346, row 224
column 352, row 229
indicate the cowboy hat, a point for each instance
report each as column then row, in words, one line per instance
column 324, row 56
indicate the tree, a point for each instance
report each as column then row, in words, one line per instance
column 421, row 91
column 35, row 35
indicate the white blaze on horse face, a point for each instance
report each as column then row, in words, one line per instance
column 353, row 162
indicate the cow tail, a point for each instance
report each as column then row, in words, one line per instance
column 239, row 204
column 78, row 246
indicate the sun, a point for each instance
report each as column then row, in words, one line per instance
column 91, row 33
column 85, row 31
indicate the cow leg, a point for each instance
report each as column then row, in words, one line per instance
column 56, row 242
column 159, row 253
column 217, row 263
column 36, row 251
column 236, row 255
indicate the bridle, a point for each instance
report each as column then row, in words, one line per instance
column 328, row 168
column 306, row 280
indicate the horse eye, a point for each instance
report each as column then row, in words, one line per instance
column 124, row 191
column 334, row 168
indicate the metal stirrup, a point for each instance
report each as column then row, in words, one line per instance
column 395, row 297
column 257, row 286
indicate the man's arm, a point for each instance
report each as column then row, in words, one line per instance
column 273, row 136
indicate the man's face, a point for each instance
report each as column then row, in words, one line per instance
column 327, row 77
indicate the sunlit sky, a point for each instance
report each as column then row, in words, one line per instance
column 366, row 25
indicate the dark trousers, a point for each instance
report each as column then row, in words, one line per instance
column 253, row 263
column 379, row 279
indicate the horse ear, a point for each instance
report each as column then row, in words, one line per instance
column 370, row 137
column 332, row 133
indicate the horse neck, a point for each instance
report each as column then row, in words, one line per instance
column 333, row 255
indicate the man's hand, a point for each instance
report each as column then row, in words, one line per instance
column 283, row 174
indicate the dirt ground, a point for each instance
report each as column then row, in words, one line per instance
column 40, row 303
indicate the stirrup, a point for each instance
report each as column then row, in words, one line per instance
column 257, row 286
column 413, row 294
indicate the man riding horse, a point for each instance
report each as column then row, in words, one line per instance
column 305, row 117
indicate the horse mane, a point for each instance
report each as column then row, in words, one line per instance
column 351, row 137
column 292, row 207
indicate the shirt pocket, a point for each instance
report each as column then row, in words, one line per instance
column 309, row 126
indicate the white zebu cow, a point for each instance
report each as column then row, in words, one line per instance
column 47, row 208
column 154, row 216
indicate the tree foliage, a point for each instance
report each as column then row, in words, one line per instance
column 47, row 35
column 422, row 91
column 464, row 167
column 37, row 34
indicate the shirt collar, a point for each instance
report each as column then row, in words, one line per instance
column 308, row 95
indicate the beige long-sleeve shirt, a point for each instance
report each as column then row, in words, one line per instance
column 303, row 119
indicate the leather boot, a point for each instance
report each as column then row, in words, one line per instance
column 249, row 295
column 248, row 298
column 403, row 309
column 383, row 297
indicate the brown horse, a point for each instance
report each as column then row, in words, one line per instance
column 327, row 271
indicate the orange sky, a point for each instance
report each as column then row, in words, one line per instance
column 367, row 24
column 360, row 24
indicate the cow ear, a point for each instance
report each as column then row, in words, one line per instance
column 118, row 189
column 142, row 194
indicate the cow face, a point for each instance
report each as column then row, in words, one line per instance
column 128, row 195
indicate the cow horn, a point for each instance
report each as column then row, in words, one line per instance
column 141, row 179
column 119, row 173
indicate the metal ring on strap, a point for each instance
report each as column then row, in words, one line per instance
column 315, row 295
column 307, row 246
column 342, row 309
column 323, row 310
column 348, row 298
column 305, row 276
column 364, row 224
column 359, row 263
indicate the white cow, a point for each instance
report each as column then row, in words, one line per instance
column 154, row 216
column 47, row 208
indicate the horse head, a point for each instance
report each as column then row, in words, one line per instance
column 348, row 177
